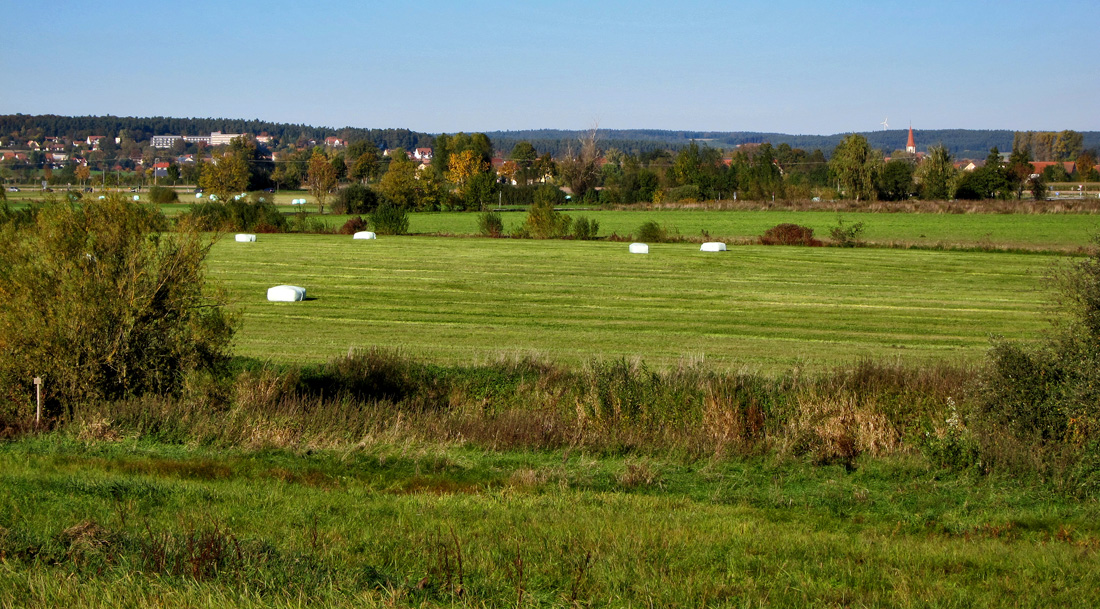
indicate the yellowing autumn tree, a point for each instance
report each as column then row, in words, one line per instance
column 463, row 166
column 225, row 177
column 321, row 179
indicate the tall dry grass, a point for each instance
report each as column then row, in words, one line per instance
column 378, row 397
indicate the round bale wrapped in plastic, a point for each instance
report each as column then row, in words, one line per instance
column 243, row 238
column 713, row 246
column 639, row 248
column 364, row 234
column 286, row 293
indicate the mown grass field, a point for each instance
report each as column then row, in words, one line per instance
column 114, row 524
column 470, row 300
column 1053, row 231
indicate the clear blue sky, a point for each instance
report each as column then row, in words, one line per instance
column 803, row 67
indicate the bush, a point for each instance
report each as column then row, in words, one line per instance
column 789, row 234
column 352, row 226
column 543, row 221
column 689, row 192
column 232, row 216
column 1048, row 396
column 490, row 224
column 585, row 229
column 355, row 199
column 161, row 195
column 127, row 314
column 850, row 235
column 390, row 220
column 651, row 232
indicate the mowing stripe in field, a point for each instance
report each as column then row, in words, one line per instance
column 469, row 300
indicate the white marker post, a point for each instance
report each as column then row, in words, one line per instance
column 38, row 398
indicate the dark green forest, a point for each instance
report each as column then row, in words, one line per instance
column 140, row 129
column 961, row 143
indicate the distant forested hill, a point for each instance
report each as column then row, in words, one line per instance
column 963, row 143
column 26, row 126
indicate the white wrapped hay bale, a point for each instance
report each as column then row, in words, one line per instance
column 242, row 238
column 286, row 293
column 364, row 234
column 713, row 246
column 639, row 248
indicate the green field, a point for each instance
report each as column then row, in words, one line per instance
column 456, row 300
column 984, row 230
column 125, row 524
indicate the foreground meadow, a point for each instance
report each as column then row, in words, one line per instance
column 127, row 524
column 469, row 300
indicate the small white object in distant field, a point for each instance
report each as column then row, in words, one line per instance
column 213, row 197
column 242, row 238
column 639, row 248
column 364, row 234
column 713, row 246
column 198, row 195
column 137, row 198
column 286, row 293
column 298, row 202
column 101, row 197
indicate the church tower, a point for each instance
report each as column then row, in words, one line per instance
column 911, row 144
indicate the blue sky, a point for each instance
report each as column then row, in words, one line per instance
column 788, row 66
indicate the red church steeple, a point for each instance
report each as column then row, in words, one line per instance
column 911, row 144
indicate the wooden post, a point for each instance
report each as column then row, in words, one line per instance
column 38, row 398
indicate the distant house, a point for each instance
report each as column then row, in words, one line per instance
column 1039, row 166
column 264, row 138
column 969, row 165
column 95, row 140
column 160, row 170
column 423, row 154
column 335, row 142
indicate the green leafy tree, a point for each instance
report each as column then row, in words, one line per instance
column 102, row 304
column 339, row 166
column 399, row 181
column 524, row 156
column 1038, row 188
column 855, row 165
column 1019, row 170
column 362, row 160
column 759, row 174
column 936, row 174
column 895, row 181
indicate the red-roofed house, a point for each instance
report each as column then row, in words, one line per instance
column 1039, row 166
